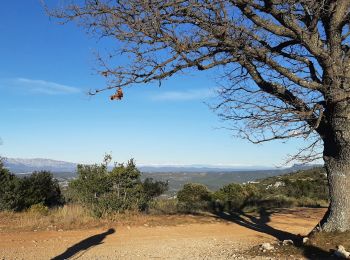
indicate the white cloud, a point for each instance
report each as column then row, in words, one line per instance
column 191, row 94
column 46, row 87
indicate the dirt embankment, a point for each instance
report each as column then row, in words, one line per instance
column 219, row 237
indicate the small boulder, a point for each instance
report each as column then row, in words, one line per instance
column 266, row 247
column 341, row 252
column 305, row 239
column 287, row 242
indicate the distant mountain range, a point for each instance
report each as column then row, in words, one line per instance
column 200, row 168
column 18, row 165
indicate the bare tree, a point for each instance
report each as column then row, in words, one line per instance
column 286, row 66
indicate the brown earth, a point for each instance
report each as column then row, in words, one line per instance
column 211, row 237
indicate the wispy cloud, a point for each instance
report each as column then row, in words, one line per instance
column 191, row 94
column 45, row 87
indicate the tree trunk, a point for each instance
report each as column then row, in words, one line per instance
column 338, row 218
column 336, row 156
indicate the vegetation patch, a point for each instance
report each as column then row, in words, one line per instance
column 106, row 191
column 308, row 188
column 18, row 194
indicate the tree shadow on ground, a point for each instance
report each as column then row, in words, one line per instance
column 260, row 224
column 84, row 245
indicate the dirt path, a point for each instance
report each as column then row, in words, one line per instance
column 222, row 239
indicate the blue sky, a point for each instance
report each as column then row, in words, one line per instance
column 46, row 70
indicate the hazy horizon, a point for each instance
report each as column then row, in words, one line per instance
column 140, row 164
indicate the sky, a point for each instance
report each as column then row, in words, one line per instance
column 46, row 71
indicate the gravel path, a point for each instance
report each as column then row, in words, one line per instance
column 221, row 240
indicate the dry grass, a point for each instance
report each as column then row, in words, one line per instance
column 164, row 206
column 72, row 217
column 67, row 217
column 328, row 241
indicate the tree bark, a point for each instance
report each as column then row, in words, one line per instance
column 337, row 163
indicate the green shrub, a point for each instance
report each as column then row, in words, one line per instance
column 234, row 197
column 120, row 189
column 21, row 193
column 316, row 189
column 10, row 192
column 193, row 197
column 40, row 187
column 91, row 182
column 153, row 189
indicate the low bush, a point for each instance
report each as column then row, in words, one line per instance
column 316, row 189
column 10, row 192
column 153, row 189
column 22, row 193
column 193, row 197
column 103, row 191
column 40, row 188
column 234, row 197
